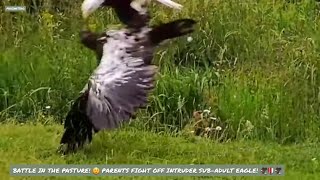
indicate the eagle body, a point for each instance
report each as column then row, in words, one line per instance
column 120, row 85
column 122, row 80
column 125, row 76
column 116, row 89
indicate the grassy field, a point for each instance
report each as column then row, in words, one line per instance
column 130, row 146
column 253, row 63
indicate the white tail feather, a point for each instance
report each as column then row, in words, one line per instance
column 171, row 4
column 137, row 5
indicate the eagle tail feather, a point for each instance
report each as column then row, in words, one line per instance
column 78, row 128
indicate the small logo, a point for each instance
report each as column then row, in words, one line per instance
column 264, row 170
column 15, row 8
column 95, row 171
column 278, row 170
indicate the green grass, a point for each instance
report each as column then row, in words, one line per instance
column 249, row 60
column 36, row 144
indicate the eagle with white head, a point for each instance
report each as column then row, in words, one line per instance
column 120, row 85
column 130, row 12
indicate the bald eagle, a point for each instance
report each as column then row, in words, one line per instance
column 129, row 12
column 120, row 85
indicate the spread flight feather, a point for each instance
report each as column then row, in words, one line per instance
column 120, row 84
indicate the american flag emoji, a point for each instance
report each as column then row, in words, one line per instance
column 270, row 170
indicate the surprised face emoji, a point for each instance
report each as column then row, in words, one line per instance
column 95, row 171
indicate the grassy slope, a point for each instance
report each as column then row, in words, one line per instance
column 36, row 144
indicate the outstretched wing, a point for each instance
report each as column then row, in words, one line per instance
column 120, row 84
column 130, row 12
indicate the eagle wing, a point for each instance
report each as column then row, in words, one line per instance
column 119, row 85
column 128, row 11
